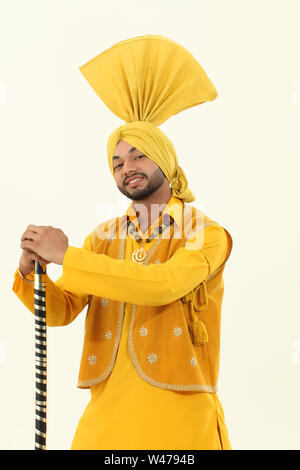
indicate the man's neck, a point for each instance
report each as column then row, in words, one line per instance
column 149, row 210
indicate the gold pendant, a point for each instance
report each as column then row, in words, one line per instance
column 139, row 255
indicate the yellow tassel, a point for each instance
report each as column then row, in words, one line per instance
column 198, row 332
column 197, row 329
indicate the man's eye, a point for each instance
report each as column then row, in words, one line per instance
column 139, row 156
column 117, row 166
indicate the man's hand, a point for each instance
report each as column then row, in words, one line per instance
column 48, row 242
column 27, row 260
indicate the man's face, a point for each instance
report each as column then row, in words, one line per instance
column 131, row 165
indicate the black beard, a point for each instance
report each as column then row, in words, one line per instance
column 155, row 182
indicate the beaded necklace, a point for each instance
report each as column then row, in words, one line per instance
column 139, row 255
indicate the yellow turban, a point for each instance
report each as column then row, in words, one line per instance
column 145, row 80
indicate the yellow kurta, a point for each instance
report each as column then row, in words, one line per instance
column 126, row 412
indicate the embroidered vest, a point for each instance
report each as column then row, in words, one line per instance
column 174, row 346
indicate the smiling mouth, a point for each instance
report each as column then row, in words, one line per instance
column 135, row 182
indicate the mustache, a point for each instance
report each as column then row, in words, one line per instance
column 132, row 177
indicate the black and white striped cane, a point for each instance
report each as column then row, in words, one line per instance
column 40, row 356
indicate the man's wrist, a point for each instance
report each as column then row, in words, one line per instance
column 23, row 275
column 24, row 271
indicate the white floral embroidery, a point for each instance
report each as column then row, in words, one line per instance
column 110, row 238
column 92, row 359
column 177, row 331
column 104, row 302
column 152, row 357
column 193, row 361
column 108, row 334
column 143, row 331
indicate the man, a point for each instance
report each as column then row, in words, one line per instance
column 152, row 278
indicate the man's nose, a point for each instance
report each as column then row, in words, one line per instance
column 129, row 167
column 130, row 170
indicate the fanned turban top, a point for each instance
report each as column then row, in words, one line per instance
column 145, row 80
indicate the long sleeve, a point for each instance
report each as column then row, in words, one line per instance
column 62, row 306
column 85, row 272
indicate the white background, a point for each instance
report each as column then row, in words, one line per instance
column 240, row 154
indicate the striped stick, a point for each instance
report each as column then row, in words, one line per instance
column 40, row 357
